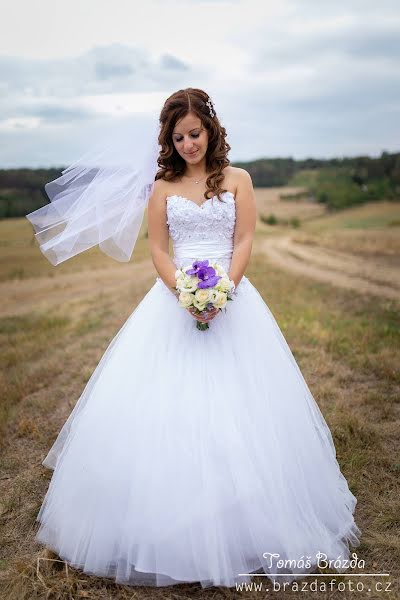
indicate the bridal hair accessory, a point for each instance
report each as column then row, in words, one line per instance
column 100, row 199
column 210, row 106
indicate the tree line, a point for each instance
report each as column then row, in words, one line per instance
column 337, row 182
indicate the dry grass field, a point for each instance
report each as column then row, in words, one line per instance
column 55, row 324
column 269, row 202
column 357, row 248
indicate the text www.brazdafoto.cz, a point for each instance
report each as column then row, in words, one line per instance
column 316, row 586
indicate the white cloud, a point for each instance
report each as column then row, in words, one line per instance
column 286, row 78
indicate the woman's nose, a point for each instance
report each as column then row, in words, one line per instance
column 188, row 146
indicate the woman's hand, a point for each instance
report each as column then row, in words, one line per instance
column 204, row 317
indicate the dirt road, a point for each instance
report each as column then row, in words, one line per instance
column 337, row 268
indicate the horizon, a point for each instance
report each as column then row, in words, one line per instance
column 316, row 158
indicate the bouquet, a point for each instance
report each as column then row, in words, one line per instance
column 203, row 287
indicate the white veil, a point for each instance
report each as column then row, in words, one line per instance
column 100, row 199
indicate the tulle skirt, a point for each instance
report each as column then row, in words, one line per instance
column 196, row 456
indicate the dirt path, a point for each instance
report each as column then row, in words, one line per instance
column 21, row 296
column 337, row 268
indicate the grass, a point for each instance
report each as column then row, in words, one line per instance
column 346, row 344
column 21, row 259
column 348, row 348
column 374, row 215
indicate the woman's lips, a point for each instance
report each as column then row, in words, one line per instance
column 192, row 154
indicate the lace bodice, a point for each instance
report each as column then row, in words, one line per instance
column 202, row 231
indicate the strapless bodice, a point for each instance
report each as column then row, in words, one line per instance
column 202, row 231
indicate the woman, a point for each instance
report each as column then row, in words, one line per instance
column 197, row 456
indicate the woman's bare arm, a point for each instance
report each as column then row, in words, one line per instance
column 246, row 217
column 159, row 236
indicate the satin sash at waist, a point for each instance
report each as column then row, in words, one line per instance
column 203, row 249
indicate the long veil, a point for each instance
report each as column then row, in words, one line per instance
column 100, row 198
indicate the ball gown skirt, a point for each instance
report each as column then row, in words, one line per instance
column 196, row 456
column 192, row 453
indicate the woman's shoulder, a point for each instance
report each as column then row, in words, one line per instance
column 158, row 194
column 233, row 176
column 160, row 187
column 237, row 172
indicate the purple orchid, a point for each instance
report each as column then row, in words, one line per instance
column 196, row 266
column 206, row 274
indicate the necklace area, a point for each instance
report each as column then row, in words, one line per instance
column 196, row 180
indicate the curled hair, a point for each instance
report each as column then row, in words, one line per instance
column 171, row 164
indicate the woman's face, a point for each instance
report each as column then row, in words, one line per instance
column 190, row 139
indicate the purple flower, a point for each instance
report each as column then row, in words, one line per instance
column 206, row 274
column 196, row 266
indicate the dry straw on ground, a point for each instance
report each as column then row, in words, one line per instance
column 56, row 323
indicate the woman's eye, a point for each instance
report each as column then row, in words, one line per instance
column 195, row 135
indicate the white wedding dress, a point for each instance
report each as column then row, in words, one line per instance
column 194, row 456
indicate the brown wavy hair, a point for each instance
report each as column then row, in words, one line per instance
column 171, row 164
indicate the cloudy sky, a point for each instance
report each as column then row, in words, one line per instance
column 287, row 77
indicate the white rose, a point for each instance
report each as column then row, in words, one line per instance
column 179, row 273
column 202, row 295
column 224, row 285
column 199, row 305
column 180, row 283
column 189, row 284
column 186, row 299
column 220, row 270
column 221, row 300
column 213, row 295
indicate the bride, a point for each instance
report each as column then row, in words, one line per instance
column 191, row 456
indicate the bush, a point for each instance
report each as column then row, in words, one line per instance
column 270, row 220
